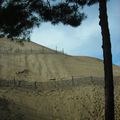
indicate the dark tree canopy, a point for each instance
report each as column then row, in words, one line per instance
column 18, row 17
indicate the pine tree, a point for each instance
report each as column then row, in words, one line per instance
column 19, row 17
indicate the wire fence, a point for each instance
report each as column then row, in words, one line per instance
column 56, row 84
column 30, row 51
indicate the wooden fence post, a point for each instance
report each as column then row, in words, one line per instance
column 72, row 81
column 14, row 83
column 19, row 83
column 35, row 85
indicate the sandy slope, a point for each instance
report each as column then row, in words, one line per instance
column 30, row 61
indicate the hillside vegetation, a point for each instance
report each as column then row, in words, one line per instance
column 30, row 61
column 84, row 102
column 37, row 83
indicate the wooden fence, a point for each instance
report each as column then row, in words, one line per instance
column 31, row 51
column 56, row 84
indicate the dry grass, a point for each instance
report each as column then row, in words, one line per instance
column 44, row 65
column 78, row 103
column 85, row 102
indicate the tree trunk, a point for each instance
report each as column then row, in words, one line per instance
column 107, row 55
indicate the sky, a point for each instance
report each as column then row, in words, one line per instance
column 84, row 40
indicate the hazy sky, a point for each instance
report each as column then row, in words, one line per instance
column 84, row 40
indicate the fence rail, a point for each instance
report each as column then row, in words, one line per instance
column 55, row 85
column 43, row 51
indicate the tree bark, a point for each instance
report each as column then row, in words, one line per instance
column 107, row 55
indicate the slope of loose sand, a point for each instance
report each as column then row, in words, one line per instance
column 33, row 62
